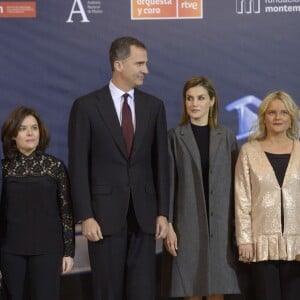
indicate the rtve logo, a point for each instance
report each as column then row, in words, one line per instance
column 247, row 6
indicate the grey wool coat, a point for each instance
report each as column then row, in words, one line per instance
column 207, row 255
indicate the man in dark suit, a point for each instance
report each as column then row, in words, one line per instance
column 119, row 176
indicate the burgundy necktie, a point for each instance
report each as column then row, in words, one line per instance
column 127, row 126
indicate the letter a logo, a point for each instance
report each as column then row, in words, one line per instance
column 80, row 11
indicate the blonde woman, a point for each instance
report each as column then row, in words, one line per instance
column 267, row 203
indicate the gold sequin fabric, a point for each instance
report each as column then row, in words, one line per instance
column 258, row 204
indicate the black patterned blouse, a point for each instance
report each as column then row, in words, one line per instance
column 36, row 213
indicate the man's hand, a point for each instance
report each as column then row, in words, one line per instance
column 162, row 227
column 246, row 252
column 91, row 230
column 170, row 241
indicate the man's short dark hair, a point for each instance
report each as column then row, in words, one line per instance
column 120, row 48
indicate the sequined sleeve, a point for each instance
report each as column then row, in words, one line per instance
column 65, row 208
column 243, row 199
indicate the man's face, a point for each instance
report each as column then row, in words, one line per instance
column 134, row 68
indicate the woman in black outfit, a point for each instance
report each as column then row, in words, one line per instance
column 37, row 229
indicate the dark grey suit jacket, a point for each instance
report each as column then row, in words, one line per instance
column 102, row 176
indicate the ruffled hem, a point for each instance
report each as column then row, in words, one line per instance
column 276, row 247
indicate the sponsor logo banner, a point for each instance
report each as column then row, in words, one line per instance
column 267, row 6
column 81, row 11
column 24, row 9
column 166, row 9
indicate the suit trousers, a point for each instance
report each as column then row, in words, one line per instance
column 123, row 264
column 41, row 272
column 275, row 280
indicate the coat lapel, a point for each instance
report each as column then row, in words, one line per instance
column 268, row 165
column 215, row 138
column 292, row 167
column 265, row 164
column 108, row 113
column 187, row 136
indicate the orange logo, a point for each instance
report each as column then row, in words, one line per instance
column 166, row 9
column 25, row 9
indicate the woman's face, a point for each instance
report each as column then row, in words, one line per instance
column 197, row 104
column 277, row 118
column 28, row 136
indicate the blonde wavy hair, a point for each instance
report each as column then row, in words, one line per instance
column 260, row 130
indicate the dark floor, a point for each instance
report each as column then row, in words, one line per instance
column 78, row 287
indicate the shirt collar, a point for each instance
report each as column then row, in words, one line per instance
column 117, row 93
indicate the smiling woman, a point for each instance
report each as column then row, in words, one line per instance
column 37, row 231
column 267, row 188
column 28, row 135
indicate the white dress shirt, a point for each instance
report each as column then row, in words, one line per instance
column 117, row 96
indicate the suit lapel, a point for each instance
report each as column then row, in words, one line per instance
column 142, row 113
column 108, row 113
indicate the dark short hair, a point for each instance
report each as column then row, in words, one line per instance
column 120, row 48
column 206, row 84
column 11, row 127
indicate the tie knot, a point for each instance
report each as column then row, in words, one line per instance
column 125, row 96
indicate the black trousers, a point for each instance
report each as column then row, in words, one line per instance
column 123, row 265
column 275, row 280
column 42, row 272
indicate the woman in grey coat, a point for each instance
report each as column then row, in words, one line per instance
column 201, row 257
